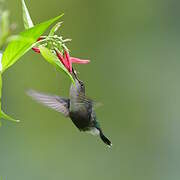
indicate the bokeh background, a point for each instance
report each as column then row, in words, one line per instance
column 134, row 47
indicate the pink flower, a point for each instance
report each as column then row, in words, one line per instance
column 62, row 59
column 67, row 60
column 79, row 61
column 36, row 49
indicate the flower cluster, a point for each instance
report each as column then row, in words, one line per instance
column 63, row 55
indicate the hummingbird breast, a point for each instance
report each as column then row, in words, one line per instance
column 80, row 107
column 82, row 120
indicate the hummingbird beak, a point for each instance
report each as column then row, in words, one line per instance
column 75, row 74
column 77, row 89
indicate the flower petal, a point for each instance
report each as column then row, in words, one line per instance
column 79, row 61
column 60, row 57
column 68, row 59
column 63, row 60
column 40, row 38
column 35, row 49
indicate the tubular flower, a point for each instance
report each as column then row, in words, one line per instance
column 67, row 60
column 36, row 49
column 62, row 59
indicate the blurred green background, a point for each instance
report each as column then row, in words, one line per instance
column 134, row 72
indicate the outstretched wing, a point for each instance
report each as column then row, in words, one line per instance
column 57, row 103
column 87, row 100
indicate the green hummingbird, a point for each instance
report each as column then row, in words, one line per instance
column 77, row 107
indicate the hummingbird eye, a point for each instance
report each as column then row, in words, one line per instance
column 81, row 83
column 81, row 86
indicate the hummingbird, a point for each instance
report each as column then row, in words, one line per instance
column 77, row 107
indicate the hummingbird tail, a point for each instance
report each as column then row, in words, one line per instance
column 105, row 139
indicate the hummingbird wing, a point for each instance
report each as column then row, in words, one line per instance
column 57, row 103
column 85, row 99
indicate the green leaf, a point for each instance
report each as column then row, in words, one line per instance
column 4, row 28
column 2, row 114
column 53, row 59
column 0, row 93
column 5, row 23
column 6, row 117
column 19, row 47
column 26, row 16
column 1, row 54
